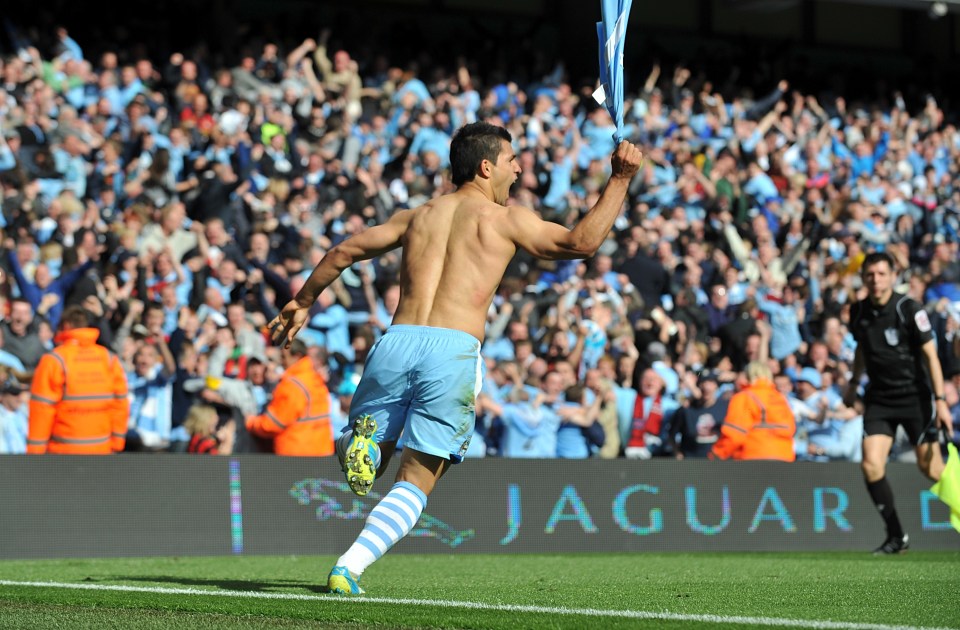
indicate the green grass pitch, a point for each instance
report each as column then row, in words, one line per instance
column 581, row 591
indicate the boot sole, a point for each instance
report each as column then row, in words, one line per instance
column 359, row 468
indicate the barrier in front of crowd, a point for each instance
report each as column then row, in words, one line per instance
column 166, row 505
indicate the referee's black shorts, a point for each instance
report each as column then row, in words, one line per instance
column 915, row 412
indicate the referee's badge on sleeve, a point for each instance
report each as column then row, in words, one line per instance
column 892, row 335
column 923, row 322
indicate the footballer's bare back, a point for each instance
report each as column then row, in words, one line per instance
column 455, row 251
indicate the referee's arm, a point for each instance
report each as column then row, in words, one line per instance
column 936, row 380
column 851, row 396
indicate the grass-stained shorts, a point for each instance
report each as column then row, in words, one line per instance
column 422, row 382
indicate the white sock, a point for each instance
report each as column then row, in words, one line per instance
column 388, row 522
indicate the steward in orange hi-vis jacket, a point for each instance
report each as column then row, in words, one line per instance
column 759, row 423
column 78, row 398
column 298, row 417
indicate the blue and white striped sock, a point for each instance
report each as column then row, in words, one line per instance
column 388, row 522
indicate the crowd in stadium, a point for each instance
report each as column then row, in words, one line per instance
column 181, row 205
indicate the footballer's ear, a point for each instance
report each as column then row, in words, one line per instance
column 486, row 168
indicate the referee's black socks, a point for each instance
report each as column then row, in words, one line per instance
column 882, row 496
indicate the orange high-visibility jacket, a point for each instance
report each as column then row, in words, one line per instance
column 759, row 425
column 298, row 417
column 78, row 398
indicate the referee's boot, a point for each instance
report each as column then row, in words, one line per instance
column 359, row 455
column 892, row 546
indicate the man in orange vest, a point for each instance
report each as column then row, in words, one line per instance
column 759, row 423
column 298, row 417
column 78, row 398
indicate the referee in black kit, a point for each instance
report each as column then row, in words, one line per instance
column 895, row 345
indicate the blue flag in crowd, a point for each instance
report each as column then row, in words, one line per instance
column 612, row 33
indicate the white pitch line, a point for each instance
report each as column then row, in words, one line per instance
column 586, row 612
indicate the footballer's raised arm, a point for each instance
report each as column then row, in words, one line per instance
column 544, row 239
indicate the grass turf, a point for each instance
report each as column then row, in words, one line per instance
column 917, row 589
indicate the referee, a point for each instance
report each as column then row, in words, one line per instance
column 896, row 348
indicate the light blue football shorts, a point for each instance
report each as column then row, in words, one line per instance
column 422, row 382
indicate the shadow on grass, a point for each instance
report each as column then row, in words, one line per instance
column 230, row 585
